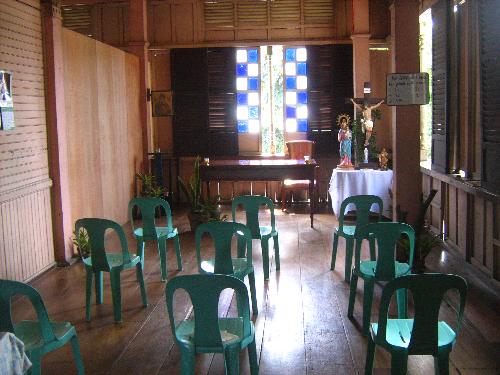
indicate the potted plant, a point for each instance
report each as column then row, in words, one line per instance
column 200, row 210
column 82, row 242
column 425, row 239
column 149, row 188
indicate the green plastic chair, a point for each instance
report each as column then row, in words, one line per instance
column 150, row 232
column 113, row 262
column 39, row 337
column 251, row 205
column 363, row 205
column 384, row 268
column 222, row 233
column 422, row 335
column 207, row 332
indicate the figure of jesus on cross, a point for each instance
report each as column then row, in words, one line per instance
column 366, row 110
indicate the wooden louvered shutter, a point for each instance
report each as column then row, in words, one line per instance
column 440, row 70
column 490, row 92
column 190, row 101
column 329, row 80
column 77, row 18
column 223, row 135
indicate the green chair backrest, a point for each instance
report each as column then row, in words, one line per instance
column 96, row 229
column 251, row 204
column 222, row 233
column 204, row 291
column 427, row 291
column 8, row 289
column 387, row 235
column 148, row 206
column 363, row 205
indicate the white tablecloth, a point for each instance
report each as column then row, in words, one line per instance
column 345, row 183
column 13, row 359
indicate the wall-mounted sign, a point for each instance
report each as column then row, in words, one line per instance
column 407, row 89
column 6, row 104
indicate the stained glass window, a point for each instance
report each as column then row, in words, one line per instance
column 295, row 67
column 248, row 89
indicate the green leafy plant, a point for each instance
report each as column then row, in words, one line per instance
column 425, row 240
column 82, row 242
column 204, row 209
column 359, row 138
column 149, row 187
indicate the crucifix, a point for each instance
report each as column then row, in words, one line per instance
column 365, row 105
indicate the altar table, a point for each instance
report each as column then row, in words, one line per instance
column 262, row 170
column 345, row 183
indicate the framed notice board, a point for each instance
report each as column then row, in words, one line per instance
column 407, row 89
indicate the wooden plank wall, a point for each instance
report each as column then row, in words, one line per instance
column 103, row 127
column 26, row 243
column 471, row 221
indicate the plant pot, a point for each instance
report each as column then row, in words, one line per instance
column 196, row 219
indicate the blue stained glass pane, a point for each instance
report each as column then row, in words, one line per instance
column 241, row 70
column 242, row 98
column 291, row 112
column 253, row 55
column 302, row 97
column 302, row 125
column 291, row 83
column 253, row 83
column 290, row 54
column 253, row 112
column 242, row 126
column 301, row 69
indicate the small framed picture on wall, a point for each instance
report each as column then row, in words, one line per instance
column 6, row 104
column 162, row 103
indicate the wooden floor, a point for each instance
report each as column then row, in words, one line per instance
column 302, row 327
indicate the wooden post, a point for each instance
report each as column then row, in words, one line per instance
column 138, row 45
column 360, row 45
column 407, row 178
column 56, row 129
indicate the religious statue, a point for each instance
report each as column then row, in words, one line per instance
column 345, row 140
column 366, row 122
column 383, row 158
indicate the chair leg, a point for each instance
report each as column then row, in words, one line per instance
column 241, row 246
column 140, row 251
column 276, row 252
column 253, row 294
column 402, row 298
column 370, row 355
column 252, row 358
column 177, row 245
column 162, row 250
column 373, row 255
column 140, row 278
column 232, row 360
column 352, row 294
column 36, row 364
column 283, row 198
column 399, row 363
column 349, row 245
column 75, row 346
column 88, row 294
column 187, row 361
column 442, row 363
column 265, row 257
column 367, row 304
column 117, row 295
column 334, row 250
column 98, row 287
